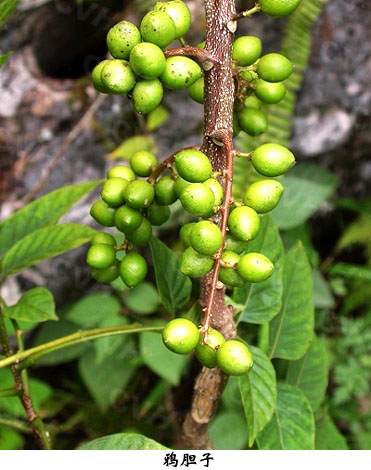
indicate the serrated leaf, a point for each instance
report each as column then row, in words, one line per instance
column 310, row 373
column 6, row 8
column 228, row 431
column 132, row 145
column 292, row 424
column 122, row 441
column 4, row 58
column 93, row 309
column 328, row 437
column 174, row 287
column 291, row 330
column 44, row 211
column 259, row 393
column 44, row 243
column 36, row 305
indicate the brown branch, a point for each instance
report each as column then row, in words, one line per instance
column 166, row 164
column 206, row 59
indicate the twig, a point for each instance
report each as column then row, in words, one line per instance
column 247, row 13
column 206, row 59
column 165, row 164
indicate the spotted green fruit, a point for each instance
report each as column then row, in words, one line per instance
column 272, row 159
column 108, row 274
column 103, row 214
column 179, row 13
column 164, row 191
column 243, row 223
column 237, row 246
column 193, row 165
column 180, row 185
column 147, row 95
column 196, row 91
column 206, row 353
column 139, row 194
column 234, row 358
column 278, row 8
column 252, row 121
column 97, row 78
column 217, row 189
column 185, row 233
column 127, row 219
column 158, row 215
column 133, row 269
column 158, row 27
column 197, row 199
column 255, row 267
column 147, row 60
column 194, row 264
column 121, row 39
column 246, row 50
column 113, row 191
column 142, row 235
column 180, row 73
column 102, row 237
column 206, row 238
column 263, row 196
column 143, row 163
column 252, row 102
column 228, row 274
column 274, row 67
column 121, row 171
column 180, row 336
column 101, row 256
column 117, row 76
column 270, row 93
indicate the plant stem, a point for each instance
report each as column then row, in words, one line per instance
column 247, row 13
column 16, row 424
column 9, row 392
column 166, row 164
column 206, row 59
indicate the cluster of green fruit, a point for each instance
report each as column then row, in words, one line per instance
column 182, row 337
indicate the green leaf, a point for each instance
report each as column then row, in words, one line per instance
column 258, row 393
column 132, row 145
column 159, row 359
column 173, row 286
column 142, row 299
column 4, row 58
column 123, row 441
column 310, row 373
column 36, row 305
column 328, row 437
column 228, row 431
column 292, row 329
column 350, row 271
column 92, row 310
column 6, row 8
column 105, row 347
column 10, row 440
column 44, row 243
column 307, row 186
column 323, row 297
column 357, row 232
column 292, row 424
column 157, row 118
column 44, row 211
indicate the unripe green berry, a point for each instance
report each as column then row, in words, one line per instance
column 194, row 264
column 147, row 95
column 113, row 191
column 206, row 238
column 244, row 223
column 179, row 13
column 255, row 267
column 139, row 194
column 143, row 163
column 127, row 219
column 180, row 336
column 108, row 274
column 206, row 353
column 272, row 159
column 102, row 237
column 185, row 233
column 217, row 189
column 246, row 50
column 237, row 246
column 234, row 358
column 164, row 191
column 270, row 93
column 274, row 67
column 252, row 102
column 147, row 60
column 121, row 171
column 158, row 215
column 180, row 185
column 133, row 269
column 117, row 76
column 121, row 39
column 103, row 214
column 101, row 256
column 263, row 196
column 193, row 165
column 196, row 91
column 278, row 8
column 96, row 76
column 253, row 121
column 228, row 274
column 158, row 27
column 142, row 235
column 180, row 73
column 198, row 199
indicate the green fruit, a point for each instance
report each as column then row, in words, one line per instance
column 272, row 159
column 185, row 233
column 103, row 214
column 206, row 238
column 194, row 264
column 252, row 102
column 158, row 27
column 253, row 121
column 263, row 196
column 234, row 358
column 113, row 191
column 196, row 91
column 102, row 237
column 278, row 8
column 180, row 185
column 147, row 95
column 97, row 78
column 164, row 191
column 243, row 223
column 101, row 256
column 127, row 219
column 121, row 39
column 117, row 76
column 180, row 72
column 180, row 336
column 198, row 199
column 179, row 13
column 232, row 244
column 206, row 353
column 228, row 274
column 193, row 165
column 158, row 215
column 274, row 67
column 133, row 269
column 270, row 93
column 147, row 60
column 217, row 189
column 255, row 267
column 142, row 235
column 143, row 163
column 121, row 171
column 139, row 194
column 246, row 50
column 236, row 125
column 108, row 274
